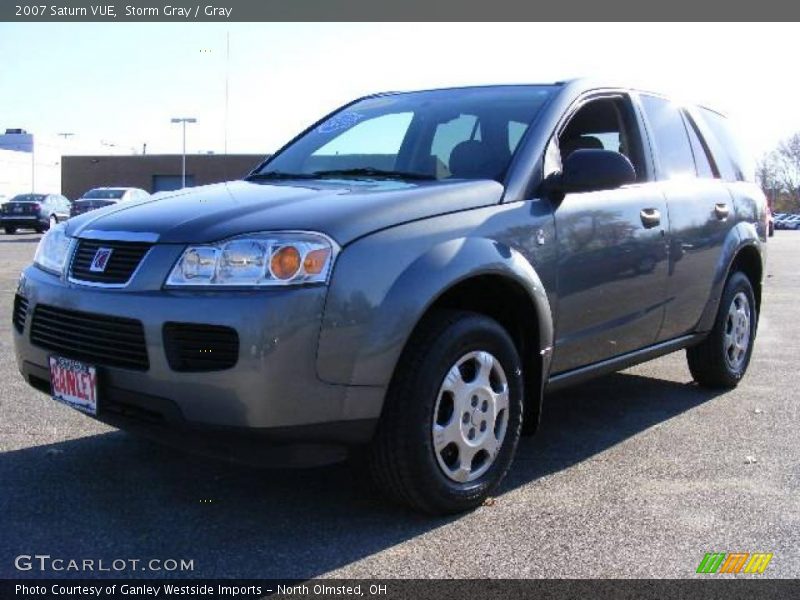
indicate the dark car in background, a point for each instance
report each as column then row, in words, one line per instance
column 406, row 279
column 39, row 212
column 106, row 196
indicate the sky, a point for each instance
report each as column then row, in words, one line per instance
column 116, row 86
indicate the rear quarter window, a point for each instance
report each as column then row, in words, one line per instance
column 734, row 163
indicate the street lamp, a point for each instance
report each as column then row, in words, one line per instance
column 183, row 121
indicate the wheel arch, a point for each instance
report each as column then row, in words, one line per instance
column 489, row 278
column 748, row 261
column 505, row 300
column 743, row 251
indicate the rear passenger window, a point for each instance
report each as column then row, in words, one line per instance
column 669, row 137
column 701, row 160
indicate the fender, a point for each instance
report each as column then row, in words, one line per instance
column 365, row 352
column 742, row 235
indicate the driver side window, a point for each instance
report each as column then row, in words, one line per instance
column 604, row 124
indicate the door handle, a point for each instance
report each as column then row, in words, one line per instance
column 650, row 217
column 722, row 210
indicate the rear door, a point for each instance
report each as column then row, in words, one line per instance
column 701, row 211
column 612, row 265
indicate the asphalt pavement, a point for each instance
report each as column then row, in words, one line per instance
column 637, row 474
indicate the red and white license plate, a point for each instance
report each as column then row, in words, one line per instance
column 74, row 383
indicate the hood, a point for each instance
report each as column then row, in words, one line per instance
column 344, row 210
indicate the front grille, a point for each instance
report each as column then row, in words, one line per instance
column 125, row 257
column 93, row 338
column 20, row 312
column 192, row 347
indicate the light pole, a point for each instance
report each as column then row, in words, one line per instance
column 183, row 121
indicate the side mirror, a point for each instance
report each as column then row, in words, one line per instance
column 595, row 170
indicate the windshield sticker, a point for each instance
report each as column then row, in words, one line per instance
column 340, row 121
column 379, row 102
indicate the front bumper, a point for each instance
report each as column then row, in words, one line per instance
column 273, row 390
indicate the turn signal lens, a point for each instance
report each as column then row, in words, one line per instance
column 285, row 262
column 316, row 260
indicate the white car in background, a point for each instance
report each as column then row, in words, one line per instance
column 104, row 196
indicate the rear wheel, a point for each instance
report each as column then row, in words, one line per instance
column 721, row 360
column 452, row 418
column 10, row 230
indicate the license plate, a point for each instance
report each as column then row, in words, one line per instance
column 74, row 383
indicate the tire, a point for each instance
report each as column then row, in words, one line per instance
column 404, row 460
column 721, row 360
column 10, row 230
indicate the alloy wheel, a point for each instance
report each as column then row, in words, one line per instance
column 470, row 418
column 736, row 339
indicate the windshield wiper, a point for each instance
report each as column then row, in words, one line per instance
column 369, row 172
column 277, row 175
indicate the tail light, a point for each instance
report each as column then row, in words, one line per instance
column 36, row 207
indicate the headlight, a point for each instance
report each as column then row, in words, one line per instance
column 257, row 259
column 53, row 250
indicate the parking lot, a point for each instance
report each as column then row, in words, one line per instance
column 638, row 474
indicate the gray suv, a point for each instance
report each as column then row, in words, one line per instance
column 405, row 280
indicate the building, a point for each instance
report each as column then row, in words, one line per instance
column 151, row 172
column 28, row 164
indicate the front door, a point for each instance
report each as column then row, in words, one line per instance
column 612, row 247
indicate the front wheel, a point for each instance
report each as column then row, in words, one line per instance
column 452, row 418
column 721, row 360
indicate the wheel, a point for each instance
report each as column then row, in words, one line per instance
column 53, row 221
column 10, row 230
column 771, row 231
column 721, row 360
column 452, row 418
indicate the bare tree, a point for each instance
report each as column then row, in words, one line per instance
column 788, row 153
column 768, row 175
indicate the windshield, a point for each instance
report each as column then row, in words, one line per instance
column 468, row 133
column 28, row 198
column 103, row 194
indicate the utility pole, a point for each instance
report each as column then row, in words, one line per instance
column 227, row 77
